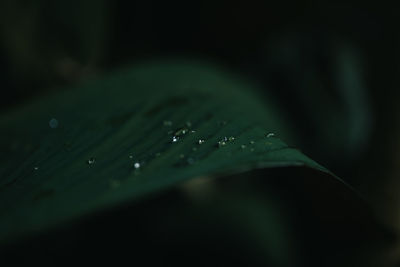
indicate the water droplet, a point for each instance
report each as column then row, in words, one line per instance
column 243, row 146
column 181, row 156
column 36, row 168
column 167, row 123
column 222, row 142
column 53, row 123
column 252, row 149
column 231, row 138
column 188, row 124
column 252, row 142
column 90, row 161
column 181, row 131
column 192, row 131
column 130, row 156
column 175, row 139
column 270, row 135
column 190, row 161
column 194, row 148
column 136, row 165
column 201, row 141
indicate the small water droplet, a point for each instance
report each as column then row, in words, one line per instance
column 252, row 149
column 91, row 161
column 175, row 139
column 270, row 135
column 243, row 146
column 167, row 123
column 190, row 161
column 181, row 131
column 201, row 141
column 194, row 148
column 231, row 138
column 252, row 142
column 53, row 123
column 136, row 165
column 130, row 156
column 188, row 124
column 36, row 168
column 192, row 131
column 222, row 142
column 181, row 156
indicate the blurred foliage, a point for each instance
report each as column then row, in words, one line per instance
column 330, row 68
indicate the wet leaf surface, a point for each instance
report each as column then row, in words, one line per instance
column 136, row 133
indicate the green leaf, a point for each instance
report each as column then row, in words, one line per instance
column 128, row 136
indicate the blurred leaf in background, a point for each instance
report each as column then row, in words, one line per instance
column 47, row 43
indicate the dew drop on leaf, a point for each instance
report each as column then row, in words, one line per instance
column 181, row 131
column 222, row 142
column 53, row 123
column 90, row 161
column 191, row 161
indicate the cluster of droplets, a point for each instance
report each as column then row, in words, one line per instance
column 252, row 142
column 225, row 140
column 179, row 133
column 176, row 136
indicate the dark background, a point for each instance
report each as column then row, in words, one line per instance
column 332, row 67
